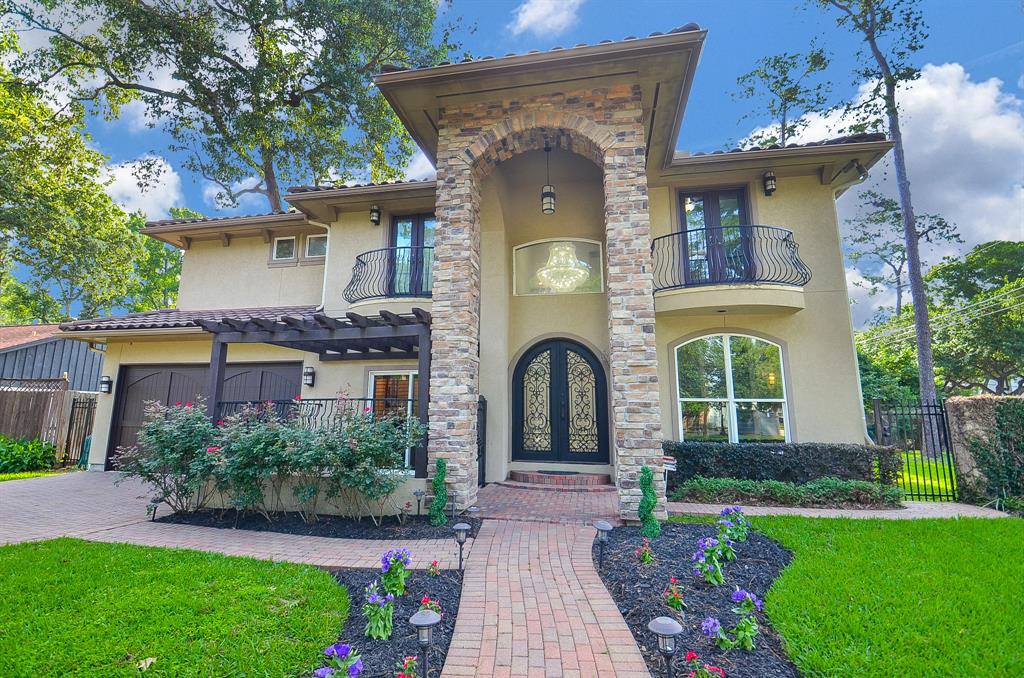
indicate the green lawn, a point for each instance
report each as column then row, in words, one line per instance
column 27, row 474
column 921, row 474
column 69, row 607
column 900, row 598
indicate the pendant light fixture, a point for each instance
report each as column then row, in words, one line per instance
column 547, row 193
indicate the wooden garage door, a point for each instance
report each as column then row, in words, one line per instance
column 139, row 384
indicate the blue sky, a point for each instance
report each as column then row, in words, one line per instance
column 964, row 119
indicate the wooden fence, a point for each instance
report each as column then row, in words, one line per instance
column 42, row 409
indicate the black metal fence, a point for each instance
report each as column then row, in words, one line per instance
column 728, row 255
column 391, row 272
column 921, row 431
column 318, row 413
column 75, row 450
column 481, row 440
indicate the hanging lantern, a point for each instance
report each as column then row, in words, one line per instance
column 547, row 193
column 563, row 272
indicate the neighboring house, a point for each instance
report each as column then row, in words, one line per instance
column 41, row 352
column 649, row 304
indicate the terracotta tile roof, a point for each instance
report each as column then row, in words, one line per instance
column 16, row 335
column 228, row 220
column 392, row 68
column 314, row 189
column 172, row 318
column 836, row 141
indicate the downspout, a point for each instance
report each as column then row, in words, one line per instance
column 327, row 261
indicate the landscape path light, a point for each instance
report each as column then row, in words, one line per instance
column 603, row 528
column 667, row 630
column 425, row 621
column 461, row 533
column 419, row 494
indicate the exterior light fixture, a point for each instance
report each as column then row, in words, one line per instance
column 862, row 173
column 769, row 183
column 771, row 378
column 419, row 494
column 603, row 528
column 308, row 375
column 106, row 384
column 375, row 215
column 667, row 630
column 425, row 621
column 547, row 193
column 563, row 272
column 461, row 533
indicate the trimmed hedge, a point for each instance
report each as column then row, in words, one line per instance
column 822, row 492
column 787, row 462
column 20, row 456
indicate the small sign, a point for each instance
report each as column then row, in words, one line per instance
column 669, row 463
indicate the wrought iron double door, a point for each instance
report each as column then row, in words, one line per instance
column 560, row 405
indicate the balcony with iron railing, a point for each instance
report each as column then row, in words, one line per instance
column 391, row 273
column 746, row 268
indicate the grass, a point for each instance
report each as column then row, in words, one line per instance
column 27, row 474
column 69, row 607
column 924, row 475
column 900, row 598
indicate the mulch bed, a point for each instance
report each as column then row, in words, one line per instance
column 637, row 591
column 382, row 657
column 415, row 527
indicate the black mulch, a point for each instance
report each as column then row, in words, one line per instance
column 637, row 591
column 382, row 657
column 415, row 527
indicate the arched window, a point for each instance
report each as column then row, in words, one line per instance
column 731, row 389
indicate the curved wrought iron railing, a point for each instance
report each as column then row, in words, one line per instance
column 728, row 255
column 391, row 272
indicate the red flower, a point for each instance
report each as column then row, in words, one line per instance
column 426, row 599
column 672, row 580
column 220, row 422
column 188, row 404
column 434, row 562
column 213, row 449
column 715, row 670
column 366, row 410
column 178, row 404
column 690, row 656
column 298, row 397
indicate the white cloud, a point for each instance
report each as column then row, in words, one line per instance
column 156, row 199
column 420, row 167
column 545, row 17
column 863, row 304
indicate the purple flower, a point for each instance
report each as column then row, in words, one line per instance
column 389, row 598
column 356, row 668
column 339, row 650
column 730, row 509
column 725, row 523
column 324, row 672
column 710, row 627
column 739, row 595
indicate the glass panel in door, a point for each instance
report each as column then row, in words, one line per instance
column 717, row 241
column 695, row 269
column 403, row 234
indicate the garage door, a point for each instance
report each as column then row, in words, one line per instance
column 139, row 384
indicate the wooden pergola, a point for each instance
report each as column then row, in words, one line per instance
column 387, row 336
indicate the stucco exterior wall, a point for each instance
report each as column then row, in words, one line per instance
column 240, row 276
column 820, row 362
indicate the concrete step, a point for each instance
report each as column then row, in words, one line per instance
column 562, row 480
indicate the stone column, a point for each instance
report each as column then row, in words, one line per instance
column 633, row 355
column 455, row 327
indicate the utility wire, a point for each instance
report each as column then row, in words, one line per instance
column 910, row 333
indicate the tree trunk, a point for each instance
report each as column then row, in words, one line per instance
column 899, row 298
column 270, row 178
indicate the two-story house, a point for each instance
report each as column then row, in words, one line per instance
column 599, row 290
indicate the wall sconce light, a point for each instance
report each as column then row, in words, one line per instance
column 106, row 384
column 375, row 215
column 547, row 192
column 769, row 183
column 308, row 375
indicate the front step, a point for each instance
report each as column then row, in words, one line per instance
column 561, row 478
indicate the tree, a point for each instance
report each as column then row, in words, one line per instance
column 158, row 269
column 877, row 239
column 784, row 81
column 254, row 94
column 892, row 32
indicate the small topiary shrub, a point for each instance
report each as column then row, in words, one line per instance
column 21, row 456
column 648, row 501
column 440, row 498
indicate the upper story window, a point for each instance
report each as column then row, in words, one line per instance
column 316, row 246
column 717, row 239
column 284, row 248
column 731, row 389
column 566, row 266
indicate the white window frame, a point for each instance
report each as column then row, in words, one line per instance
column 414, row 376
column 295, row 248
column 730, row 398
column 600, row 266
column 305, row 248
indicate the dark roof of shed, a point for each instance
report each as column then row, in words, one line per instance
column 12, row 336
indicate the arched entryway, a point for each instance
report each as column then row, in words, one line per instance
column 560, row 405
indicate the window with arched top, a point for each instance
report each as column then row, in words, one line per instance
column 731, row 388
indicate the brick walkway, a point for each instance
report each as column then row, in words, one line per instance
column 537, row 503
column 533, row 605
column 914, row 509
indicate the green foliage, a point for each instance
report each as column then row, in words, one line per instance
column 1001, row 457
column 791, row 87
column 157, row 270
column 440, row 499
column 264, row 94
column 791, row 462
column 27, row 475
column 196, row 614
column 379, row 610
column 251, row 448
column 21, row 456
column 648, row 502
column 882, row 598
column 821, row 492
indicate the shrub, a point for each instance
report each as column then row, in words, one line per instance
column 1000, row 456
column 21, row 456
column 175, row 454
column 394, row 570
column 440, row 499
column 788, row 462
column 648, row 501
column 823, row 492
column 254, row 446
column 379, row 610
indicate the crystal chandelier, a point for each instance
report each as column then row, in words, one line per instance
column 563, row 272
